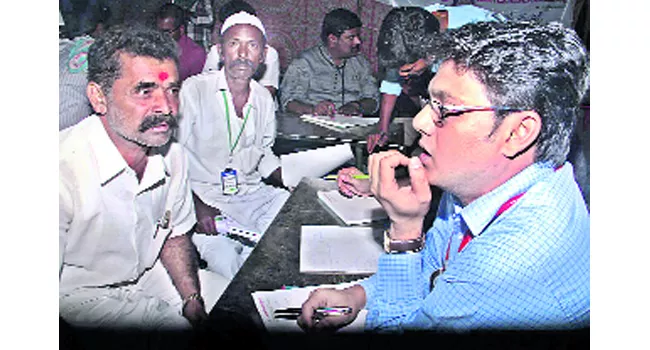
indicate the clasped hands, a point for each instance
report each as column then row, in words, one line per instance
column 406, row 206
column 328, row 108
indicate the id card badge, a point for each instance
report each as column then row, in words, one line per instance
column 229, row 184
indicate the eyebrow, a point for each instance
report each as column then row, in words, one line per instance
column 144, row 85
column 439, row 94
column 444, row 97
column 243, row 40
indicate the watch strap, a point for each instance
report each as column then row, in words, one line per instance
column 393, row 246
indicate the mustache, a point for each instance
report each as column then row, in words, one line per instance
column 241, row 61
column 157, row 119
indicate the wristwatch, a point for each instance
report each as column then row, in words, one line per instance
column 393, row 246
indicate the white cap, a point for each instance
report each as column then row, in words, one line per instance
column 242, row 18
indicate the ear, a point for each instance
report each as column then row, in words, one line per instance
column 332, row 39
column 523, row 129
column 263, row 55
column 97, row 98
column 219, row 50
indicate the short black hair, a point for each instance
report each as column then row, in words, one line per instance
column 525, row 65
column 337, row 21
column 403, row 35
column 231, row 7
column 104, row 65
column 95, row 15
column 174, row 11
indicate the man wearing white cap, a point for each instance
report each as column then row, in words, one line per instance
column 269, row 77
column 228, row 127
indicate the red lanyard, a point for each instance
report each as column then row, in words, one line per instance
column 468, row 236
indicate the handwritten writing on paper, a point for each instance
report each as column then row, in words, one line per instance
column 338, row 250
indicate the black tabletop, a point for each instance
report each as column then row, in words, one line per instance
column 290, row 126
column 275, row 261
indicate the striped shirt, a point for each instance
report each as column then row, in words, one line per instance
column 73, row 70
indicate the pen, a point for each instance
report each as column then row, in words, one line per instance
column 333, row 311
column 292, row 313
column 358, row 177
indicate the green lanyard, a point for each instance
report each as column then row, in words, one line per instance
column 232, row 146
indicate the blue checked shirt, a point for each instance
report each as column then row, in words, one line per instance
column 528, row 269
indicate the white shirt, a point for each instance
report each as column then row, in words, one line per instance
column 107, row 220
column 203, row 130
column 271, row 76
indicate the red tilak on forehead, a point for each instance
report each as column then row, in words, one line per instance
column 163, row 76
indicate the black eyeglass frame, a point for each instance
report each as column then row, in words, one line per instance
column 445, row 112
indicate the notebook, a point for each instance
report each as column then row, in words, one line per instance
column 313, row 163
column 338, row 250
column 353, row 211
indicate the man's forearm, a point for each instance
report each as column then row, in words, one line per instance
column 299, row 107
column 386, row 110
column 178, row 256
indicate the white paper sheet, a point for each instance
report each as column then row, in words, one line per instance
column 269, row 301
column 313, row 163
column 338, row 122
column 355, row 210
column 338, row 250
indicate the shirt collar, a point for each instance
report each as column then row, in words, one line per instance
column 184, row 40
column 478, row 214
column 156, row 170
column 111, row 164
column 222, row 84
column 326, row 55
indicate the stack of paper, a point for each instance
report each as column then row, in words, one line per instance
column 338, row 122
column 338, row 250
column 355, row 210
column 269, row 301
column 313, row 163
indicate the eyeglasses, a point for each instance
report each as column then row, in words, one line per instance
column 171, row 31
column 440, row 112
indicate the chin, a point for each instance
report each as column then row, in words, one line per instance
column 156, row 141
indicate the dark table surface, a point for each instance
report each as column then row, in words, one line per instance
column 275, row 261
column 290, row 126
column 294, row 134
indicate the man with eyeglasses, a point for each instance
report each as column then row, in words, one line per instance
column 509, row 248
column 171, row 19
